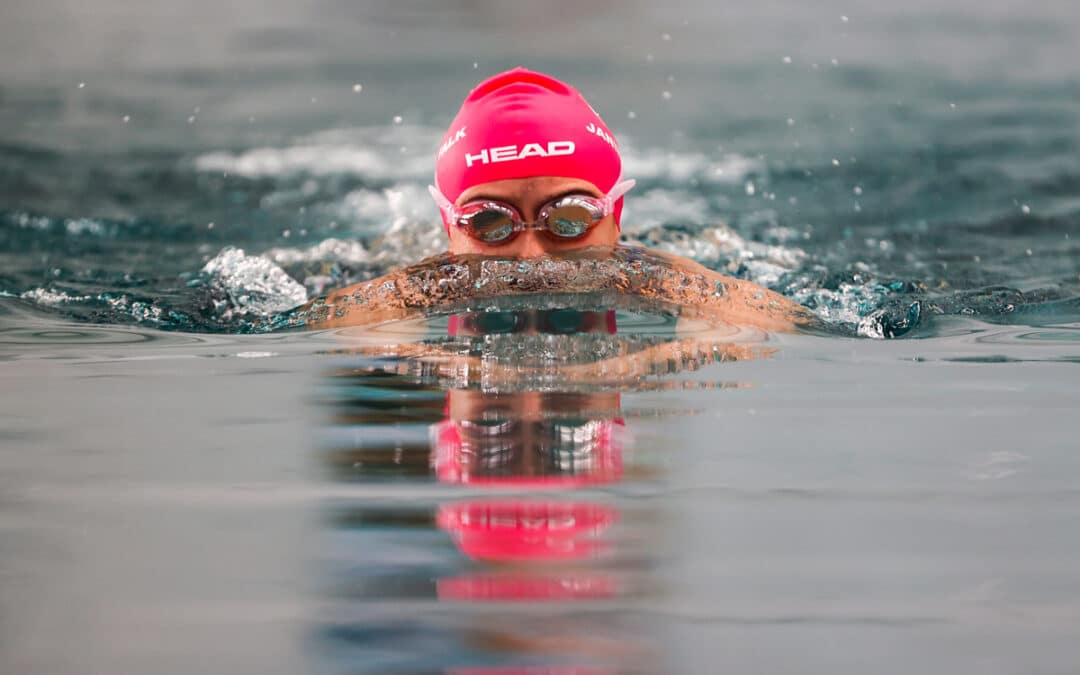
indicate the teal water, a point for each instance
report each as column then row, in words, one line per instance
column 184, row 485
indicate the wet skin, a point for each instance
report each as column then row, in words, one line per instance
column 744, row 303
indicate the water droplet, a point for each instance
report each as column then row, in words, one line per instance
column 475, row 65
column 844, row 18
column 82, row 85
column 790, row 122
column 126, row 118
column 857, row 190
column 666, row 95
column 1025, row 208
column 836, row 162
column 787, row 59
column 666, row 37
column 398, row 119
column 209, row 226
column 191, row 119
column 357, row 88
column 750, row 188
column 1029, row 252
column 286, row 233
column 196, row 110
column 952, row 106
column 835, row 62
column 632, row 115
column 314, row 99
column 649, row 58
column 251, row 120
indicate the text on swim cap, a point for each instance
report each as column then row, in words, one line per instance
column 593, row 129
column 509, row 153
column 460, row 134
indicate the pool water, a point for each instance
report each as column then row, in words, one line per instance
column 189, row 479
column 777, row 503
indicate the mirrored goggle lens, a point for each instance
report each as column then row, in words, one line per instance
column 489, row 224
column 572, row 217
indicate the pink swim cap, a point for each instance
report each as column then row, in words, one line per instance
column 521, row 124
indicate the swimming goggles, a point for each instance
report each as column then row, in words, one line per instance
column 566, row 218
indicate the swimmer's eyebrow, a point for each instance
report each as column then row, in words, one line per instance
column 579, row 190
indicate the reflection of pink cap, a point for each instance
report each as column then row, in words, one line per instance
column 514, row 529
column 521, row 124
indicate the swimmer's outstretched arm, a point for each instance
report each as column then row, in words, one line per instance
column 447, row 280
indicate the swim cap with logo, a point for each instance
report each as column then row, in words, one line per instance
column 521, row 124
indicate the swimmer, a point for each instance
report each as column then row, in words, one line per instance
column 529, row 171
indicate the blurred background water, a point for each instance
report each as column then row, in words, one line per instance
column 850, row 155
column 176, row 492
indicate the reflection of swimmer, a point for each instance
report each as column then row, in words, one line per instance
column 560, row 348
column 529, row 170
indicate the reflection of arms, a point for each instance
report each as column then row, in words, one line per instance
column 448, row 280
column 634, row 360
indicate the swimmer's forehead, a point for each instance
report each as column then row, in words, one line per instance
column 539, row 186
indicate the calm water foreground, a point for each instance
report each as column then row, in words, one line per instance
column 278, row 503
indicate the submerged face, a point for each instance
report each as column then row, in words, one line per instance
column 528, row 196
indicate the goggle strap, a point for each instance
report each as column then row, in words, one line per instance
column 440, row 199
column 616, row 192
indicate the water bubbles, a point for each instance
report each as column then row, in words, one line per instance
column 791, row 121
column 857, row 189
column 126, row 118
column 787, row 60
column 398, row 119
column 191, row 119
column 750, row 188
column 631, row 115
column 1025, row 209
column 835, row 162
column 952, row 106
column 357, row 88
column 475, row 65
column 649, row 58
column 1029, row 253
column 666, row 37
column 82, row 85
column 286, row 233
column 844, row 19
column 210, row 226
column 666, row 94
column 834, row 61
